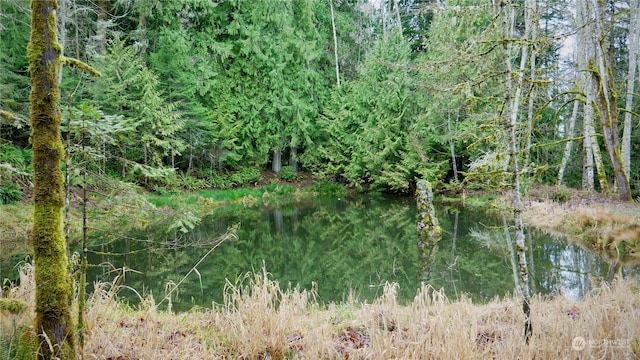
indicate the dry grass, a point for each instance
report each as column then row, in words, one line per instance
column 598, row 222
column 612, row 228
column 261, row 320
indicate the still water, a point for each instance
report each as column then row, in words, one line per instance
column 343, row 247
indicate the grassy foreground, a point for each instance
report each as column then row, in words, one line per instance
column 262, row 320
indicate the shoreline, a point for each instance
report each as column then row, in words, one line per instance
column 599, row 223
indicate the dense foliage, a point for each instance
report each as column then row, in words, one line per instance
column 212, row 90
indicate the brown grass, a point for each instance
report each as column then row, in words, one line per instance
column 261, row 320
column 604, row 225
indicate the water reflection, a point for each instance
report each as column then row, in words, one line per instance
column 351, row 246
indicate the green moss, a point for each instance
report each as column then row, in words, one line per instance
column 13, row 306
column 53, row 288
column 80, row 65
column 429, row 231
column 8, row 116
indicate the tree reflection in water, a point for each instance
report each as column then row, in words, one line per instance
column 352, row 246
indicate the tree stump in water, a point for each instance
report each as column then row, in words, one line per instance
column 429, row 232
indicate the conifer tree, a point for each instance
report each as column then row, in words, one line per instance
column 144, row 108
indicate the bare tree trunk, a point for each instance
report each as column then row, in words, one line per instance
column 103, row 170
column 146, row 162
column 293, row 159
column 634, row 40
column 452, row 148
column 383, row 8
column 532, row 72
column 53, row 286
column 568, row 146
column 82, row 282
column 143, row 42
column 584, row 50
column 512, row 104
column 101, row 27
column 588, row 183
column 597, row 159
column 335, row 42
column 397, row 13
column 123, row 170
column 61, row 13
column 276, row 165
column 190, row 165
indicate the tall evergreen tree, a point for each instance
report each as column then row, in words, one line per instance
column 373, row 134
column 144, row 107
column 173, row 58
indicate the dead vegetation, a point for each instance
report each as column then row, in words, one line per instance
column 600, row 223
column 262, row 320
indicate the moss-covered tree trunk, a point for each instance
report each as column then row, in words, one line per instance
column 429, row 232
column 53, row 285
column 606, row 99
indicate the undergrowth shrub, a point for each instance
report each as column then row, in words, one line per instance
column 9, row 193
column 245, row 177
column 18, row 158
column 241, row 178
column 287, row 173
column 20, row 344
column 561, row 195
column 329, row 188
column 15, row 166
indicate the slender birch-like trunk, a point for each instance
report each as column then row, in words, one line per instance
column 597, row 160
column 512, row 104
column 634, row 18
column 397, row 13
column 532, row 13
column 606, row 100
column 568, row 146
column 335, row 42
column 276, row 164
column 62, row 13
column 452, row 147
column 583, row 51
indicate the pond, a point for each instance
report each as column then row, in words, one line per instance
column 345, row 247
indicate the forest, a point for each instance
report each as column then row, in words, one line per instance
column 392, row 97
column 372, row 94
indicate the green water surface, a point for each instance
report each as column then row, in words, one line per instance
column 343, row 246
